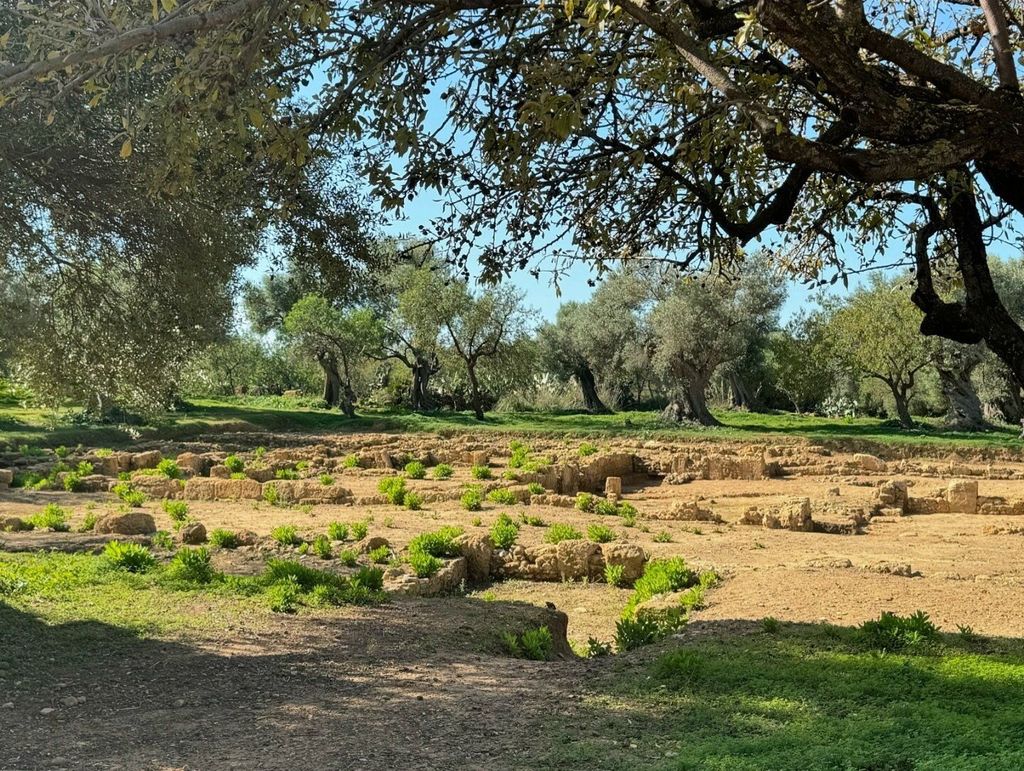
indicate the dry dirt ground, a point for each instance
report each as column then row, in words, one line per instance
column 417, row 683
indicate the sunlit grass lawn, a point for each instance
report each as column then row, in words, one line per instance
column 804, row 699
column 21, row 424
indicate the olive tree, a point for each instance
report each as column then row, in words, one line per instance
column 337, row 339
column 479, row 327
column 799, row 361
column 875, row 332
column 700, row 326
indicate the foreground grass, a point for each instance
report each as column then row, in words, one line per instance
column 21, row 425
column 805, row 698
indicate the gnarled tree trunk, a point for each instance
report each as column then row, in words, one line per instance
column 332, row 381
column 588, row 385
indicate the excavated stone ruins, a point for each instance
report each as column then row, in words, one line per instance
column 712, row 502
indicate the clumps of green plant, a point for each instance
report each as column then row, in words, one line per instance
column 176, row 510
column 443, row 471
column 600, row 533
column 350, row 461
column 472, row 498
column 169, row 468
column 348, row 557
column 322, row 547
column 504, row 532
column 521, row 458
column 481, row 472
column 104, row 452
column 286, row 535
column 771, row 625
column 288, row 584
column 380, row 555
column 73, row 479
column 223, row 538
column 587, row 448
column 326, row 480
column 502, row 496
column 239, row 475
column 234, row 464
column 536, row 488
column 161, row 539
column 89, row 521
column 614, row 575
column 534, row 644
column 605, row 508
column 393, row 489
column 424, row 565
column 661, row 577
column 286, row 473
column 271, row 494
column 128, row 494
column 415, row 470
column 439, row 543
column 337, row 531
column 597, row 648
column 532, row 520
column 130, row 557
column 359, row 529
column 890, row 632
column 561, row 531
column 192, row 565
column 53, row 517
column 585, row 502
column 663, row 536
column 413, row 501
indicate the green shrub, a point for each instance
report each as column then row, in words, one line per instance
column 614, row 574
column 627, row 511
column 415, row 470
column 235, row 464
column 600, row 533
column 605, row 508
column 660, row 577
column 380, row 555
column 413, row 501
column 84, row 468
column 663, row 537
column 239, row 475
column 587, row 448
column 126, row 492
column 286, row 535
column 223, row 539
column 771, row 625
column 349, row 557
column 585, row 501
column 633, row 633
column 192, row 565
column 533, row 644
column 53, row 517
column 393, row 489
column 350, row 461
column 62, row 452
column 560, row 531
column 532, row 520
column 894, row 633
column 176, row 510
column 326, row 480
column 359, row 529
column 510, row 475
column 104, row 452
column 161, row 539
column 596, row 648
column 536, row 488
column 89, row 522
column 286, row 473
column 271, row 494
column 72, row 481
column 480, row 472
column 322, row 547
column 443, row 471
column 439, row 543
column 504, row 532
column 472, row 499
column 369, row 578
column 283, row 596
column 169, row 468
column 130, row 557
column 502, row 496
column 424, row 565
column 337, row 531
